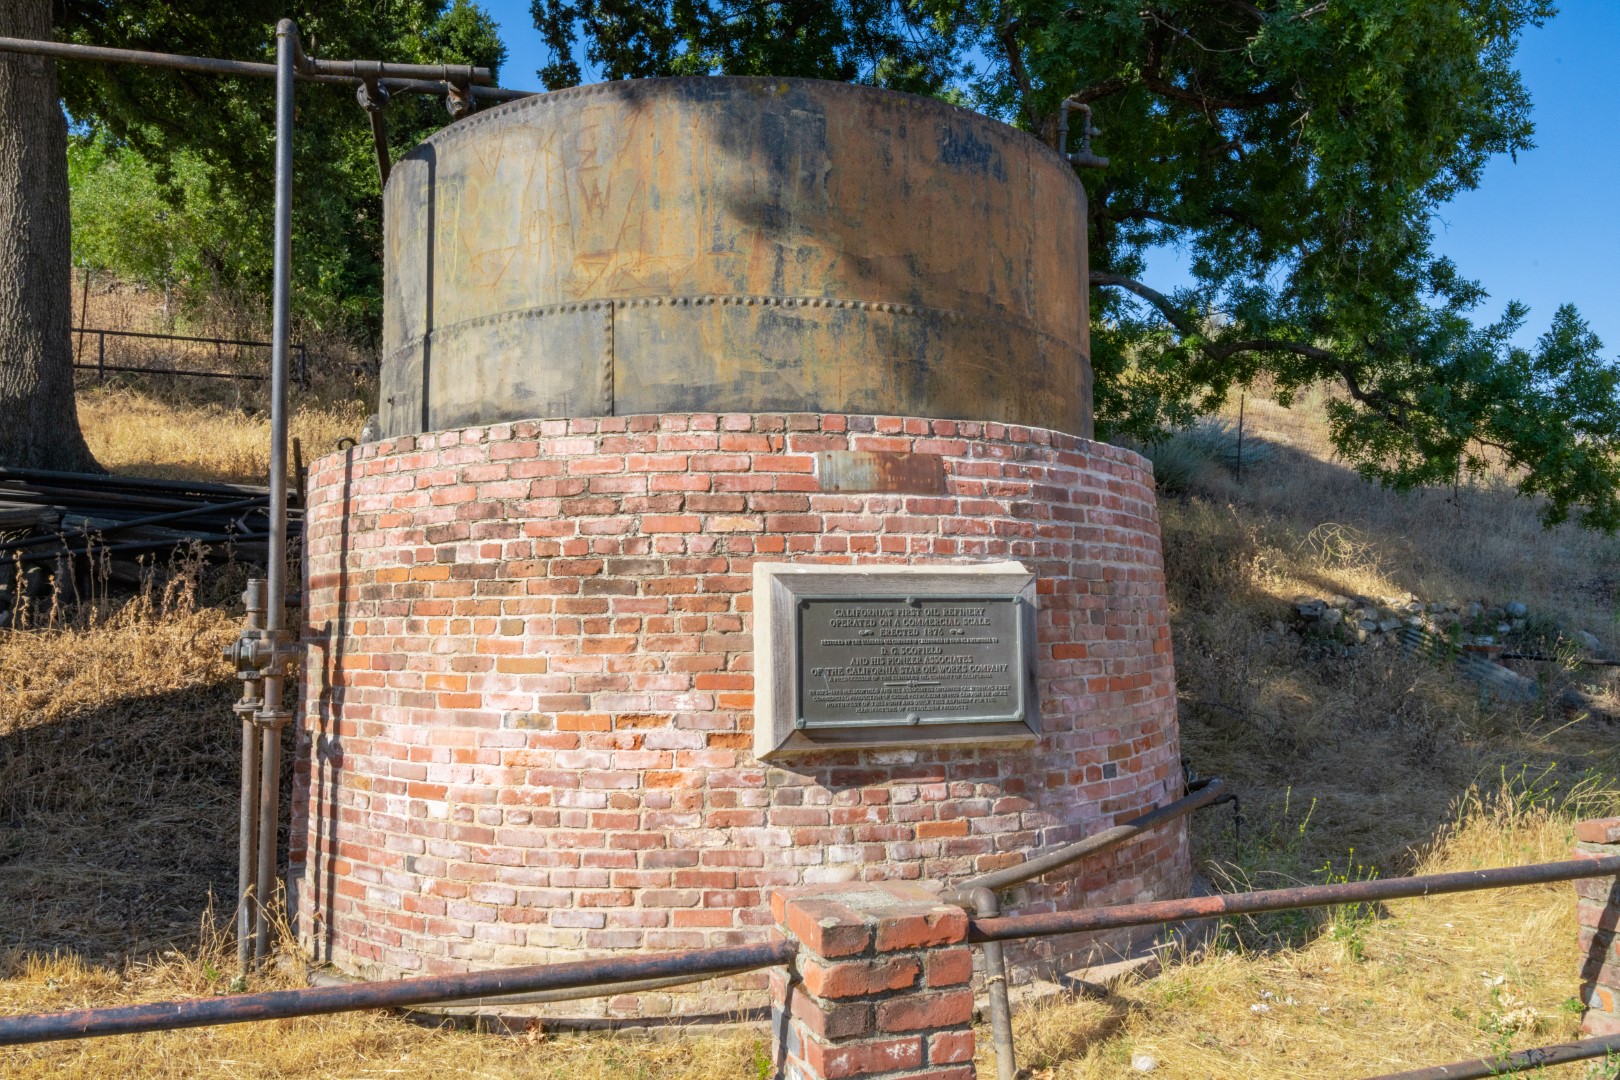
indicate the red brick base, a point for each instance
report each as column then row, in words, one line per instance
column 526, row 734
column 879, row 987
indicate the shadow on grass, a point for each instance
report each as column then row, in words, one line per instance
column 118, row 825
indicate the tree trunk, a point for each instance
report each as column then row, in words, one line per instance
column 39, row 427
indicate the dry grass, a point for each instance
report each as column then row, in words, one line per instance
column 136, row 433
column 117, row 788
column 1478, row 540
column 1418, row 982
column 205, row 429
column 117, row 750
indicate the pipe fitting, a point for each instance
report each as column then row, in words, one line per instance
column 984, row 904
column 1082, row 158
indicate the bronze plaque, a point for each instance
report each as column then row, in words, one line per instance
column 899, row 661
column 884, row 657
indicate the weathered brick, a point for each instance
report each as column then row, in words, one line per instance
column 858, row 978
column 1598, row 830
column 827, row 928
column 942, row 925
column 870, row 1058
column 922, row 1012
column 537, row 679
column 948, row 967
column 950, row 1047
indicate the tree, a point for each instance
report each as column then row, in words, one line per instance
column 202, row 145
column 40, row 428
column 207, row 133
column 1298, row 150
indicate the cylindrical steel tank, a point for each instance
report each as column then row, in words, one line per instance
column 733, row 245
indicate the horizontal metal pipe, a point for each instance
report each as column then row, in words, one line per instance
column 486, row 93
column 97, row 482
column 578, row 993
column 169, row 371
column 356, row 70
column 421, row 78
column 1519, row 1061
column 210, row 65
column 171, row 337
column 1092, row 845
column 1352, row 892
column 393, row 994
column 136, row 523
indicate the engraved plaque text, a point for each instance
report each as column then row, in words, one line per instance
column 892, row 661
column 920, row 656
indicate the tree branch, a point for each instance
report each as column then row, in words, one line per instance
column 1138, row 214
column 1172, row 314
column 1390, row 408
column 1008, row 33
column 1207, row 101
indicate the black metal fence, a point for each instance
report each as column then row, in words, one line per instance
column 101, row 367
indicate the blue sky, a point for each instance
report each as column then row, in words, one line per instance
column 1544, row 229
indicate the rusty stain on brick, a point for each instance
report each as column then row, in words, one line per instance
column 881, row 470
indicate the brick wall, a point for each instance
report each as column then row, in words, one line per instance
column 879, row 986
column 1597, row 909
column 526, row 728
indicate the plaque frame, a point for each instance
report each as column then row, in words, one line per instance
column 778, row 590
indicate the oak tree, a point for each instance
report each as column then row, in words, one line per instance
column 1297, row 150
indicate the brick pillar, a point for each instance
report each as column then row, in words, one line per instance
column 1598, row 912
column 879, row 988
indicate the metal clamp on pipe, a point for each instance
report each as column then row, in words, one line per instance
column 260, row 654
column 459, row 100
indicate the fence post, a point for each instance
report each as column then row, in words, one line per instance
column 1597, row 908
column 879, row 986
column 101, row 356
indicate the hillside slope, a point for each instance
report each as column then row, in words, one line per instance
column 1350, row 758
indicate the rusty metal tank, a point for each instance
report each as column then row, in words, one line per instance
column 733, row 245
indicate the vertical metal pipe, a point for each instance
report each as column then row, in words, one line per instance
column 269, row 819
column 101, row 355
column 272, row 716
column 247, row 843
column 984, row 904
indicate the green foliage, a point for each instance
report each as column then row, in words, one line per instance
column 897, row 44
column 1296, row 150
column 166, row 234
column 197, row 149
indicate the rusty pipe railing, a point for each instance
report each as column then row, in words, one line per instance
column 1203, row 793
column 984, row 903
column 410, row 78
column 978, row 895
column 393, row 994
column 1540, row 1057
column 1009, row 927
